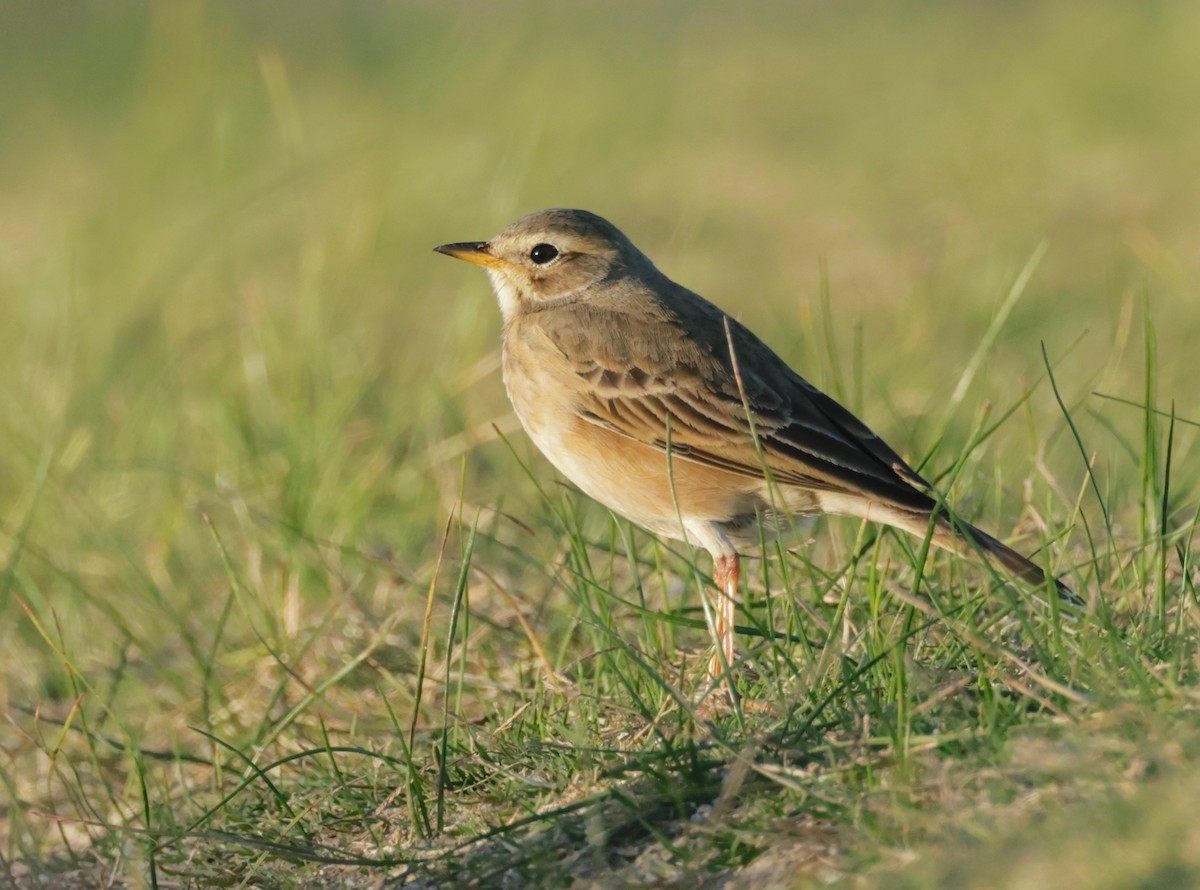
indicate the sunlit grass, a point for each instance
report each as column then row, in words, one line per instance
column 285, row 588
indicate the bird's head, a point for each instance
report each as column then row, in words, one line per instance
column 549, row 255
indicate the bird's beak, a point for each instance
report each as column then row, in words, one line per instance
column 473, row 252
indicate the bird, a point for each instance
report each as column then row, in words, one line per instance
column 673, row 414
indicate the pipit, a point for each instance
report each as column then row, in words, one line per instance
column 672, row 414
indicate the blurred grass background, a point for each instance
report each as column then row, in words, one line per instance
column 242, row 398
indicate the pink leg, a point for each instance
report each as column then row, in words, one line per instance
column 727, row 573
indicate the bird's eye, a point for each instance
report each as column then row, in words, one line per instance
column 543, row 253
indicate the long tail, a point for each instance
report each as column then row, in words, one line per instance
column 951, row 537
column 955, row 535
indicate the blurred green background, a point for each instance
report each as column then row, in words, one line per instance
column 222, row 326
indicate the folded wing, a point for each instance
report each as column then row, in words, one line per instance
column 721, row 397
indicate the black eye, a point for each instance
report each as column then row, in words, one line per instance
column 543, row 253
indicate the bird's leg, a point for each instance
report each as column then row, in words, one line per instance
column 727, row 573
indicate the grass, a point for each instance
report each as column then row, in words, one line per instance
column 287, row 599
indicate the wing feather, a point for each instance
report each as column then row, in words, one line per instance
column 643, row 376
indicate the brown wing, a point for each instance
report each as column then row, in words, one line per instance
column 648, row 382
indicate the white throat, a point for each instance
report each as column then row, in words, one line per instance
column 506, row 294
